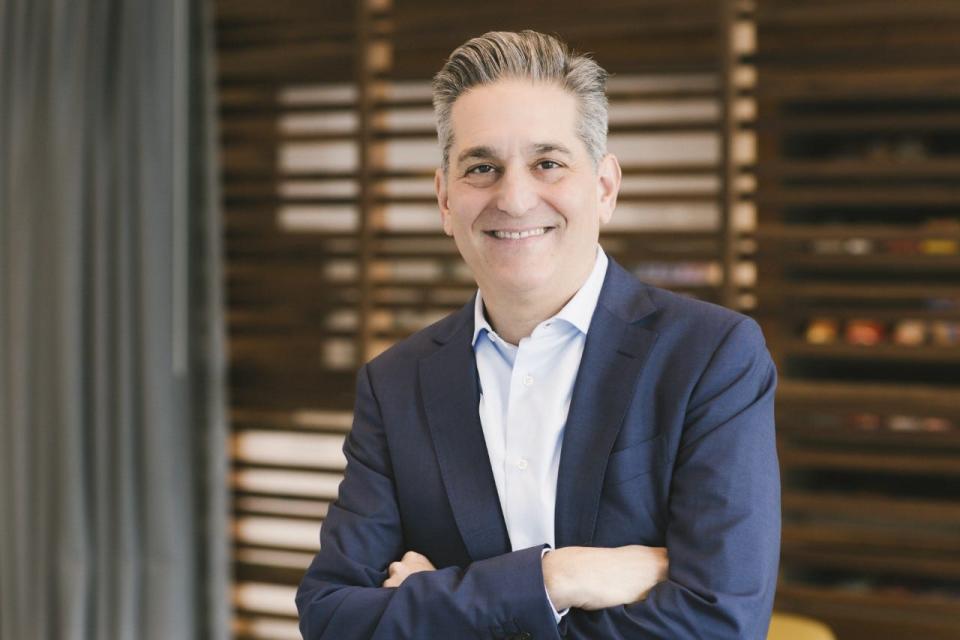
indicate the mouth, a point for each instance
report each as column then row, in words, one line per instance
column 502, row 234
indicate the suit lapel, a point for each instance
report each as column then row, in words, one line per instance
column 449, row 388
column 613, row 356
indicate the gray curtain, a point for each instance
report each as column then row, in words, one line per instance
column 113, row 509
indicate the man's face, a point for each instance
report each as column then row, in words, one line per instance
column 522, row 198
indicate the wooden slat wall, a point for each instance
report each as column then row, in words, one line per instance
column 859, row 219
column 332, row 231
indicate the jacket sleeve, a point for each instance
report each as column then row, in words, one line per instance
column 723, row 534
column 340, row 598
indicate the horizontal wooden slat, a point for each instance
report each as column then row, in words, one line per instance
column 818, row 13
column 905, row 464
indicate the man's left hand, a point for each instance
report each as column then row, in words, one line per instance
column 411, row 562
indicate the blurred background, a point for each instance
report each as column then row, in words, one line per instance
column 212, row 212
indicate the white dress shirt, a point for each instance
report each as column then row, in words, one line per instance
column 525, row 393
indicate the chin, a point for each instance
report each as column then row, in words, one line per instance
column 518, row 284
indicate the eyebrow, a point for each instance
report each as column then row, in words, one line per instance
column 551, row 147
column 482, row 152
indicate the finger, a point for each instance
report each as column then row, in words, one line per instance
column 664, row 565
column 417, row 562
column 397, row 573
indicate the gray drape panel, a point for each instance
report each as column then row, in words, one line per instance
column 113, row 510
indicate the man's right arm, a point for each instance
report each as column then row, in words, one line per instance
column 723, row 532
column 341, row 595
column 593, row 578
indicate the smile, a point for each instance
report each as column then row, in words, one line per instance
column 519, row 235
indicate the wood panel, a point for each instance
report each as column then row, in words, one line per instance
column 334, row 250
column 858, row 231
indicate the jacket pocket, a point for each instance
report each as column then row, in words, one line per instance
column 634, row 461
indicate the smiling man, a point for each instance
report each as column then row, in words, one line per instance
column 574, row 453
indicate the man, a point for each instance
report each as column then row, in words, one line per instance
column 522, row 468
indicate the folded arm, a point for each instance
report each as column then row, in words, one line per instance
column 723, row 534
column 342, row 597
column 723, row 538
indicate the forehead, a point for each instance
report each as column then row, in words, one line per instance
column 515, row 114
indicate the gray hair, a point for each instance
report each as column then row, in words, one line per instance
column 528, row 55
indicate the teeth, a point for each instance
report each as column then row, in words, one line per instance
column 518, row 235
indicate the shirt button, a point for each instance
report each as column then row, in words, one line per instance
column 528, row 380
column 522, row 464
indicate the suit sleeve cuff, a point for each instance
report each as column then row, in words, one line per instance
column 558, row 615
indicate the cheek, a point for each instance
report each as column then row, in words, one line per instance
column 459, row 224
column 579, row 213
column 467, row 212
column 574, row 201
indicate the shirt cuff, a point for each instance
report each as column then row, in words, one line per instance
column 558, row 615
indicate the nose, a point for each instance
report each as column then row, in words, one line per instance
column 517, row 192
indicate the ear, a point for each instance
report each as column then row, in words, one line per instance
column 609, row 176
column 440, row 187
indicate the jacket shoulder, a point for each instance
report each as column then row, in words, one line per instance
column 695, row 325
column 697, row 312
column 406, row 352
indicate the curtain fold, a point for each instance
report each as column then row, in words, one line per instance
column 113, row 498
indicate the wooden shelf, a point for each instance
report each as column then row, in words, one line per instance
column 868, row 394
column 806, row 435
column 868, row 505
column 877, row 614
column 875, row 261
column 792, row 232
column 869, row 538
column 801, row 312
column 931, row 603
column 880, row 352
column 835, row 196
column 923, row 464
column 856, row 291
column 933, row 168
column 932, row 567
column 842, row 89
column 863, row 123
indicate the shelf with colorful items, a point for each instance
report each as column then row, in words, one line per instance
column 855, row 425
column 839, row 236
column 926, row 339
column 836, row 411
column 858, row 251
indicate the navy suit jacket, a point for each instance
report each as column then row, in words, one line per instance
column 669, row 441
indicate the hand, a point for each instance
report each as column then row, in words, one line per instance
column 596, row 578
column 411, row 562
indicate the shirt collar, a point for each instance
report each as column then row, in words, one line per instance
column 578, row 311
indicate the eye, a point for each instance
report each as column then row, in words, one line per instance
column 549, row 164
column 481, row 169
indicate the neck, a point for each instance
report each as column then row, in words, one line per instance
column 514, row 315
